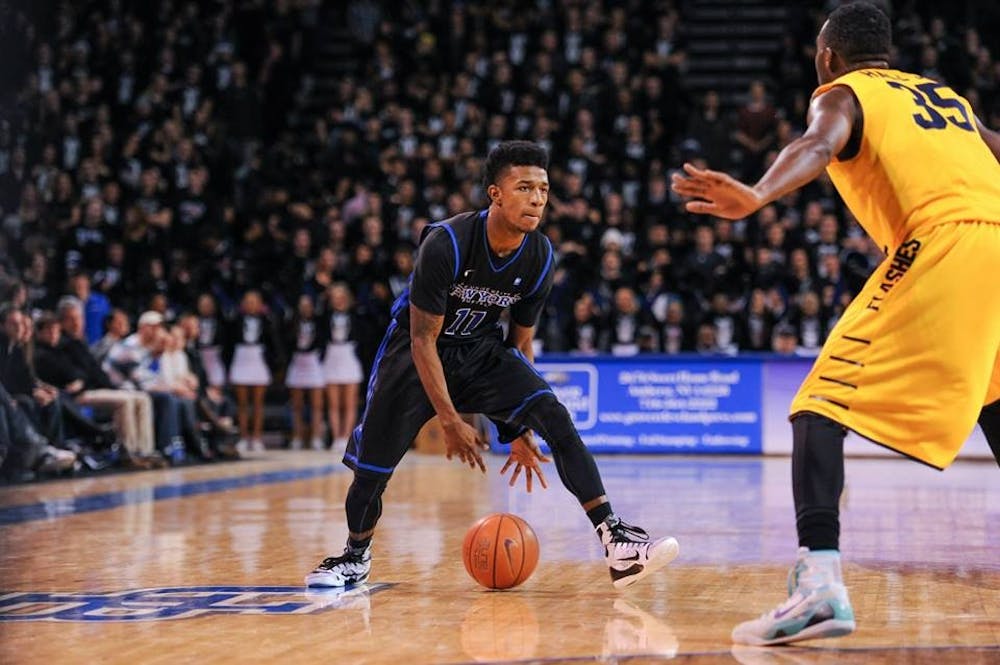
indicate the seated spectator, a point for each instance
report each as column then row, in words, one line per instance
column 784, row 340
column 132, row 409
column 39, row 401
column 809, row 325
column 137, row 357
column 728, row 326
column 175, row 370
column 628, row 322
column 675, row 334
column 757, row 323
column 706, row 340
column 95, row 306
column 23, row 450
column 587, row 331
column 116, row 328
column 704, row 268
column 54, row 367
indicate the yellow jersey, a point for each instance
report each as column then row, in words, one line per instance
column 922, row 161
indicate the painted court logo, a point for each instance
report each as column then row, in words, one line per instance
column 159, row 604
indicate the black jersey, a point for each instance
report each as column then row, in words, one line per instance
column 306, row 335
column 458, row 276
column 340, row 327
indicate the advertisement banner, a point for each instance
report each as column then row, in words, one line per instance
column 640, row 405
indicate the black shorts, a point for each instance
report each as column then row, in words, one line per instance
column 483, row 376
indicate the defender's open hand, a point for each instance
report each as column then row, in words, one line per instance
column 719, row 194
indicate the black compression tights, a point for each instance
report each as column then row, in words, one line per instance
column 817, row 480
column 364, row 502
column 989, row 420
column 575, row 464
column 548, row 417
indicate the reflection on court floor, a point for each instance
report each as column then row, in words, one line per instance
column 206, row 563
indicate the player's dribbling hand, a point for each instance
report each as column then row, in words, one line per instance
column 720, row 194
column 526, row 454
column 462, row 439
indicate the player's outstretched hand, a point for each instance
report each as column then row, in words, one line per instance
column 525, row 453
column 464, row 440
column 718, row 193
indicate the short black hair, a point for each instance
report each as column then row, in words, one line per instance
column 859, row 31
column 513, row 153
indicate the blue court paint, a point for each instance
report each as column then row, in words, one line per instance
column 64, row 506
column 165, row 603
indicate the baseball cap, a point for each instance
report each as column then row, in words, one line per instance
column 150, row 318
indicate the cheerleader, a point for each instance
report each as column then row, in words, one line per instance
column 252, row 344
column 209, row 340
column 341, row 366
column 305, row 373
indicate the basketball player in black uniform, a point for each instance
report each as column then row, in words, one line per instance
column 443, row 353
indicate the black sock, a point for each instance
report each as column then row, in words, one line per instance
column 817, row 480
column 359, row 544
column 598, row 514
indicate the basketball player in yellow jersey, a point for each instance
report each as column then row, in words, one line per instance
column 916, row 356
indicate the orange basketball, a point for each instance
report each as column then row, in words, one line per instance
column 500, row 551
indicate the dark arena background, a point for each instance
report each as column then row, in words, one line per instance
column 207, row 210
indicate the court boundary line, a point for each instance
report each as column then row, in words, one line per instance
column 67, row 506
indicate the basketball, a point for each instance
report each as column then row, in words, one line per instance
column 500, row 551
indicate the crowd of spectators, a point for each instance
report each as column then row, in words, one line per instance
column 158, row 153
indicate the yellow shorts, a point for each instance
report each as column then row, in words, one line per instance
column 917, row 353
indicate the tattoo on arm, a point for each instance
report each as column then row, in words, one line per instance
column 424, row 325
column 424, row 331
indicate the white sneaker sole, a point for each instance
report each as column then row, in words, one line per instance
column 328, row 581
column 821, row 630
column 662, row 553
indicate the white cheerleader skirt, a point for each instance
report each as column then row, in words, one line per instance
column 215, row 370
column 305, row 371
column 341, row 364
column 249, row 367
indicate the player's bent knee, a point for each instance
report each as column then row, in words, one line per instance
column 552, row 421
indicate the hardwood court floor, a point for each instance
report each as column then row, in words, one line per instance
column 922, row 563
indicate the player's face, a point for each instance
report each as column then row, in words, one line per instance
column 521, row 196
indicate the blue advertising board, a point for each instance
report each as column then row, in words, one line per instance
column 660, row 404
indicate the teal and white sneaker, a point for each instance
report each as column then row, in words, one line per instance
column 817, row 605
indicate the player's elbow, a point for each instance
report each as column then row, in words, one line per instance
column 817, row 148
column 421, row 342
